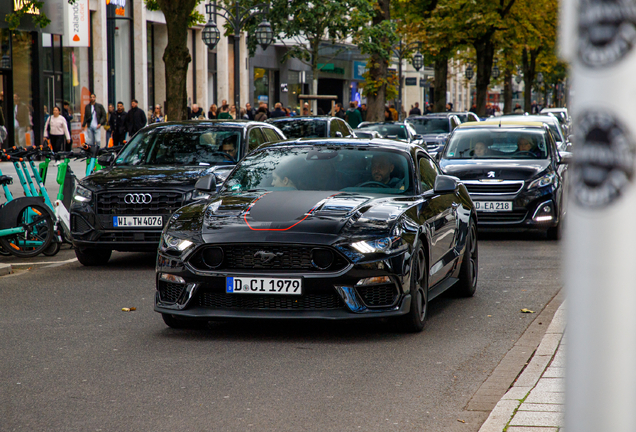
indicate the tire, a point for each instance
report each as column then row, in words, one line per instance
column 38, row 225
column 468, row 272
column 181, row 323
column 554, row 233
column 93, row 257
column 53, row 249
column 4, row 252
column 415, row 319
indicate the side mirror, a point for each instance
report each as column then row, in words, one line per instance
column 338, row 134
column 445, row 184
column 106, row 159
column 206, row 183
column 565, row 157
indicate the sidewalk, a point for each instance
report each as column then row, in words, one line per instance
column 535, row 403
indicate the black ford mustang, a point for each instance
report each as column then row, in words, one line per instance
column 329, row 228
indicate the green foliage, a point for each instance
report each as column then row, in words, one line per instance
column 40, row 19
column 194, row 18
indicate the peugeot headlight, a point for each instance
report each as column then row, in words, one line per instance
column 82, row 194
column 169, row 242
column 545, row 180
column 385, row 245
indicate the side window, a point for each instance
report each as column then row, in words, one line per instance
column 254, row 139
column 453, row 124
column 428, row 173
column 333, row 128
column 270, row 135
column 344, row 128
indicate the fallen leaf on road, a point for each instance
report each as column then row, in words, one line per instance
column 128, row 309
column 461, row 421
column 524, row 310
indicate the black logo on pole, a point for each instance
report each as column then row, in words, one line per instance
column 603, row 161
column 607, row 31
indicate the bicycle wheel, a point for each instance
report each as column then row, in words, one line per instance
column 4, row 252
column 37, row 236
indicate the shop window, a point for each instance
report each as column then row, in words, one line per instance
column 22, row 91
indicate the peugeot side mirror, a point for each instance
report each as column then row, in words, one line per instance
column 565, row 157
column 445, row 184
column 206, row 183
column 106, row 159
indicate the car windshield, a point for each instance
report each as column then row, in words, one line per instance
column 303, row 128
column 387, row 130
column 321, row 168
column 183, row 145
column 497, row 144
column 430, row 125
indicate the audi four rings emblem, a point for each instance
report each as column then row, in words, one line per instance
column 137, row 198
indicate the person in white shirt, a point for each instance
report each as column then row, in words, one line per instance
column 56, row 130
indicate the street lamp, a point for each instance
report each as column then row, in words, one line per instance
column 495, row 70
column 211, row 34
column 469, row 72
column 540, row 77
column 418, row 61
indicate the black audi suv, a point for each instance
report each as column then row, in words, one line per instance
column 125, row 206
column 514, row 173
column 322, row 229
column 312, row 127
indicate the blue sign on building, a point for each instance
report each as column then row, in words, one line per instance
column 359, row 68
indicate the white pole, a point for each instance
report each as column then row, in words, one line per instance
column 598, row 38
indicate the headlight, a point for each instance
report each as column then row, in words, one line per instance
column 174, row 243
column 82, row 194
column 543, row 181
column 196, row 195
column 385, row 245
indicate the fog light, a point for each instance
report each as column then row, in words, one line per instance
column 374, row 281
column 171, row 278
column 322, row 258
column 212, row 257
column 544, row 212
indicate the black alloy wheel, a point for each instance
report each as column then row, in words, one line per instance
column 415, row 319
column 53, row 249
column 467, row 284
column 93, row 257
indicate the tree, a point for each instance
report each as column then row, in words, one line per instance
column 180, row 15
column 27, row 7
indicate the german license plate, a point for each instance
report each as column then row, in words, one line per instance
column 493, row 206
column 248, row 285
column 137, row 221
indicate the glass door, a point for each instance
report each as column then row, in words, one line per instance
column 6, row 119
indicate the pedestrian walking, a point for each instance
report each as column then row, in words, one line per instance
column 518, row 109
column 56, row 131
column 353, row 116
column 278, row 111
column 118, row 122
column 363, row 111
column 109, row 133
column 233, row 111
column 94, row 119
column 244, row 115
column 340, row 113
column 157, row 115
column 394, row 113
column 388, row 115
column 196, row 112
column 225, row 113
column 250, row 111
column 136, row 118
column 213, row 112
column 68, row 115
column 415, row 110
column 261, row 114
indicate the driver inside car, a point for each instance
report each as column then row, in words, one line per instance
column 229, row 146
column 381, row 169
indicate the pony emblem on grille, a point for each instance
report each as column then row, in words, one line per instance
column 267, row 257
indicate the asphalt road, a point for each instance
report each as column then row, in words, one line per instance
column 72, row 360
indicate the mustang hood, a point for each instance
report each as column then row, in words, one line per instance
column 145, row 177
column 514, row 169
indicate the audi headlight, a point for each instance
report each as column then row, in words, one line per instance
column 169, row 242
column 387, row 245
column 545, row 180
column 196, row 195
column 82, row 194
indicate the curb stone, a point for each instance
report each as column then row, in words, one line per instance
column 510, row 403
column 5, row 269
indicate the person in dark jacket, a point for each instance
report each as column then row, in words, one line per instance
column 249, row 111
column 415, row 110
column 196, row 112
column 66, row 113
column 278, row 111
column 94, row 119
column 118, row 122
column 136, row 118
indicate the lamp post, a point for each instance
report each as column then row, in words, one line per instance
column 418, row 61
column 469, row 73
column 237, row 19
column 495, row 70
column 540, row 81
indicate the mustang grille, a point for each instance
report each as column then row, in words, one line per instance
column 486, row 188
column 287, row 257
column 112, row 203
column 221, row 300
column 170, row 292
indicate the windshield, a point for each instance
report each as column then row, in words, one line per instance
column 323, row 169
column 303, row 128
column 497, row 144
column 387, row 130
column 183, row 145
column 425, row 126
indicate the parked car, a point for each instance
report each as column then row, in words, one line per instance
column 125, row 206
column 562, row 140
column 312, row 127
column 563, row 116
column 466, row 116
column 434, row 129
column 514, row 173
column 401, row 131
column 320, row 229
